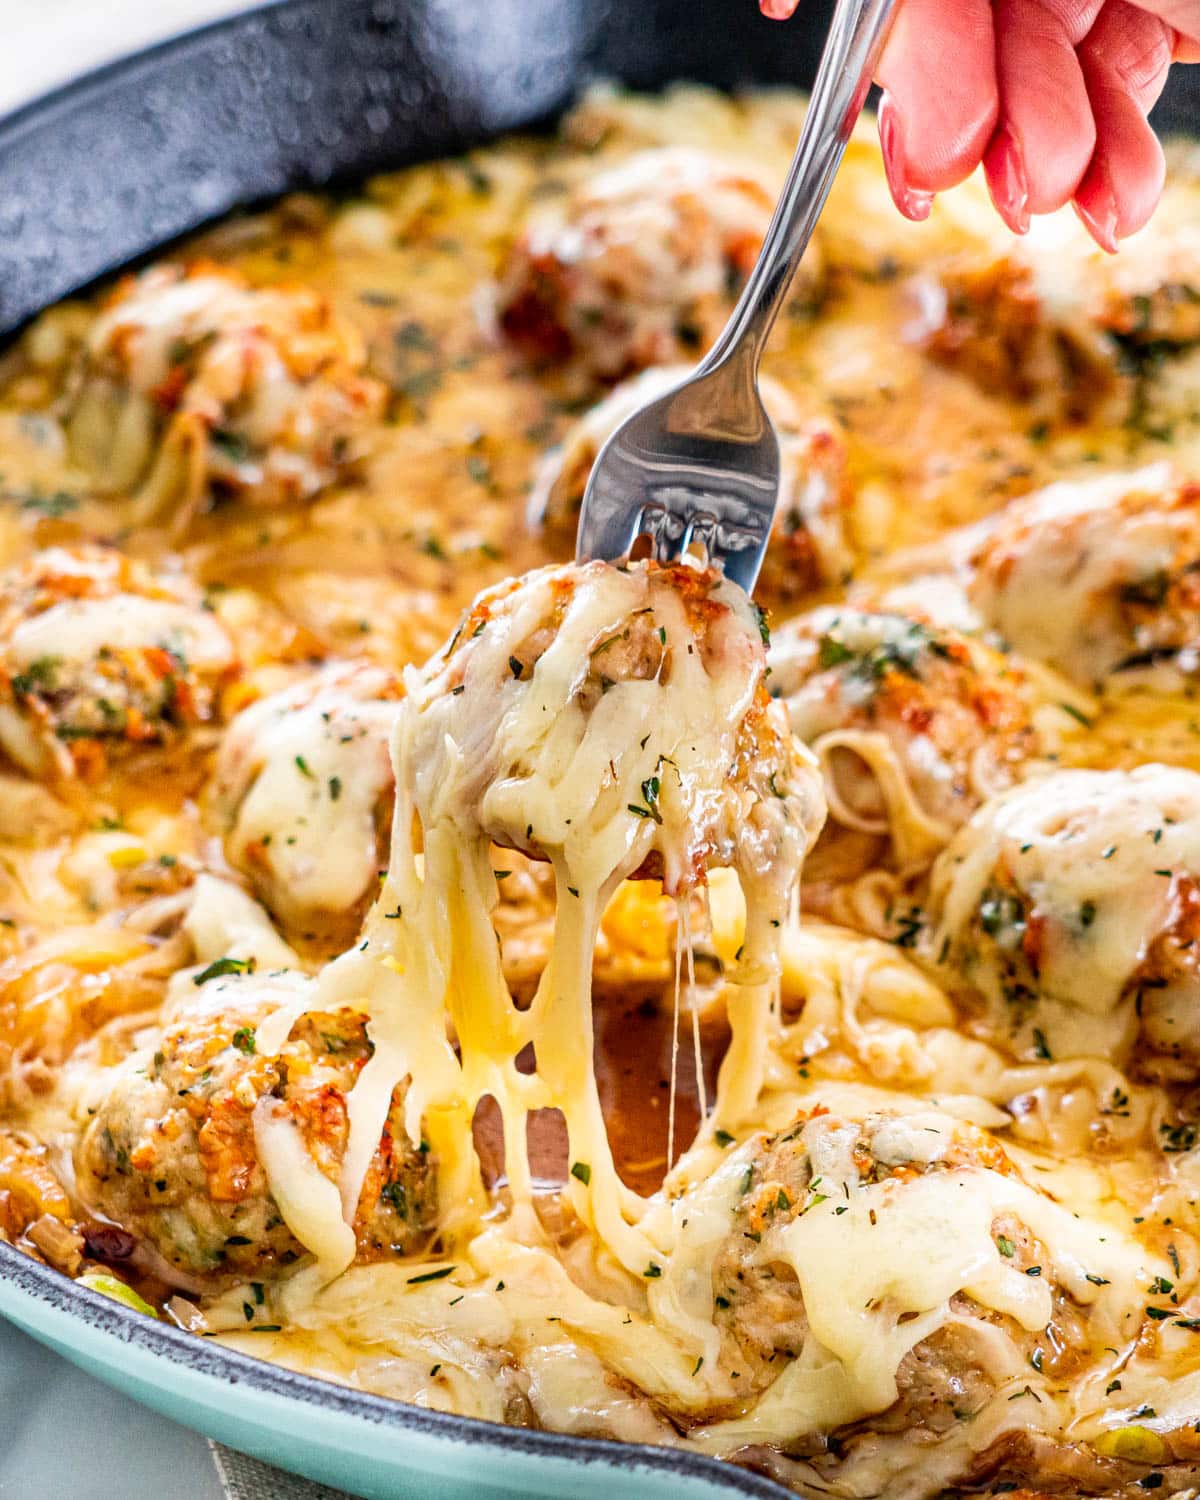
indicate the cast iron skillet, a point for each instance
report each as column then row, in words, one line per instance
column 310, row 92
column 316, row 91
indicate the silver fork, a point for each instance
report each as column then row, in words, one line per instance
column 701, row 464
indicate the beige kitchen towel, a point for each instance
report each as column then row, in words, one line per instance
column 248, row 1479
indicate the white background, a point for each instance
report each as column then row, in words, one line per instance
column 46, row 42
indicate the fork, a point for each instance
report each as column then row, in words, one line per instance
column 700, row 465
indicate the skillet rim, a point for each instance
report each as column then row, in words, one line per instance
column 42, row 1284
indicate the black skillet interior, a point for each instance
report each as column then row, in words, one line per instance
column 300, row 92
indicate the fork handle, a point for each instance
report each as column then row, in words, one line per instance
column 855, row 40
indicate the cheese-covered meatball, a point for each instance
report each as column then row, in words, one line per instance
column 1100, row 577
column 914, row 724
column 194, row 386
column 615, row 720
column 303, row 792
column 809, row 543
column 1148, row 297
column 1062, row 326
column 992, row 319
column 175, row 1149
column 891, row 1272
column 1070, row 908
column 641, row 263
column 98, row 653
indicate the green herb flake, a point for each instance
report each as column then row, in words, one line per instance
column 432, row 1275
column 222, row 966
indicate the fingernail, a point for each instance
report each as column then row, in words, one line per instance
column 1007, row 180
column 1101, row 220
column 777, row 10
column 911, row 201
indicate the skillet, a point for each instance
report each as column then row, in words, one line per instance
column 117, row 164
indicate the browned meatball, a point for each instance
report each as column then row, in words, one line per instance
column 98, row 653
column 193, row 385
column 664, row 667
column 171, row 1152
column 641, row 264
column 915, row 724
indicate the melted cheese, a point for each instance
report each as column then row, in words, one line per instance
column 301, row 780
column 73, row 632
column 1096, row 858
column 534, row 1318
column 222, row 921
column 307, row 1199
column 1074, row 543
column 483, row 753
column 879, row 1263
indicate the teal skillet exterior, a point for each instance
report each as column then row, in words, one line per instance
column 379, row 1449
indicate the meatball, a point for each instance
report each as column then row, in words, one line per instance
column 194, row 386
column 892, row 1272
column 914, row 724
column 614, row 720
column 1068, row 344
column 1070, row 907
column 641, row 263
column 991, row 319
column 303, row 793
column 172, row 1152
column 1148, row 297
column 98, row 653
column 809, row 544
column 1119, row 556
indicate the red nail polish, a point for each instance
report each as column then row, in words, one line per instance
column 777, row 10
column 911, row 201
column 1007, row 180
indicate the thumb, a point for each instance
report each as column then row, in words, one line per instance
column 1184, row 16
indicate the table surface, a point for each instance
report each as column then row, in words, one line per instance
column 62, row 1433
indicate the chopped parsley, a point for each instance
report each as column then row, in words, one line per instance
column 432, row 1275
column 222, row 966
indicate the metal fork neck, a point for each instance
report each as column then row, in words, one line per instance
column 843, row 80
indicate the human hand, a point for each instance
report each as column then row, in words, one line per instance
column 1051, row 95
